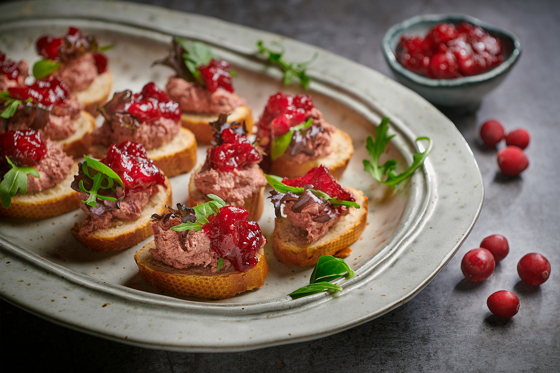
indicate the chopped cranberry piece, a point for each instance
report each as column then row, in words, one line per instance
column 322, row 180
column 442, row 33
column 234, row 238
column 130, row 161
column 10, row 68
column 236, row 152
column 215, row 75
column 100, row 62
column 47, row 46
column 152, row 103
column 284, row 111
column 443, row 66
column 50, row 91
column 23, row 147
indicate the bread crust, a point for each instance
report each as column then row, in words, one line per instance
column 97, row 93
column 46, row 203
column 197, row 282
column 199, row 123
column 76, row 145
column 341, row 152
column 174, row 158
column 290, row 244
column 126, row 233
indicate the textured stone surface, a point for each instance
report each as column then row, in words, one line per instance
column 447, row 327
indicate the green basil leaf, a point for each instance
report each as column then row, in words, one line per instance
column 96, row 164
column 329, row 268
column 10, row 109
column 315, row 288
column 188, row 226
column 220, row 264
column 45, row 67
column 106, row 48
column 15, row 180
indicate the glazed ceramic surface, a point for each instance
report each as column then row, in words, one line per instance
column 412, row 231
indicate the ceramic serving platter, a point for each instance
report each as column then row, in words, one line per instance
column 412, row 232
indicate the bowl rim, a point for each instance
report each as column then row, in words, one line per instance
column 401, row 27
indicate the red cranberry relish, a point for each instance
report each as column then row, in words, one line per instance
column 49, row 47
column 235, row 152
column 215, row 75
column 284, row 111
column 48, row 92
column 130, row 161
column 151, row 104
column 234, row 238
column 322, row 180
column 23, row 147
column 449, row 52
column 10, row 68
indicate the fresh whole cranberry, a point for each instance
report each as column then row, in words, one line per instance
column 519, row 137
column 492, row 132
column 48, row 92
column 235, row 152
column 497, row 244
column 512, row 160
column 215, row 75
column 23, row 147
column 503, row 303
column 478, row 264
column 534, row 269
column 130, row 161
column 322, row 180
column 443, row 66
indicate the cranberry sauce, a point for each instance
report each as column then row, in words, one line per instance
column 234, row 238
column 282, row 112
column 23, row 147
column 321, row 180
column 130, row 161
column 151, row 104
column 449, row 52
column 10, row 68
column 235, row 152
column 48, row 92
column 215, row 75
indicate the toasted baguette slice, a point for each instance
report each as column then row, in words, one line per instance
column 174, row 158
column 126, row 233
column 336, row 162
column 46, row 203
column 199, row 123
column 254, row 204
column 75, row 146
column 290, row 243
column 199, row 282
column 97, row 93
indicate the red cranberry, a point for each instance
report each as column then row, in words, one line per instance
column 519, row 137
column 534, row 269
column 512, row 160
column 478, row 264
column 503, row 304
column 442, row 33
column 492, row 132
column 51, row 91
column 235, row 238
column 497, row 244
column 443, row 66
column 23, row 147
column 47, row 46
column 10, row 68
column 100, row 62
column 236, row 152
column 152, row 103
column 284, row 111
column 322, row 180
column 130, row 161
column 215, row 75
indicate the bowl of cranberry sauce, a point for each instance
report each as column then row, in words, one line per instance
column 451, row 60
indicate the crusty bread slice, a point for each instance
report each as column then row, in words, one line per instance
column 46, row 203
column 126, row 233
column 341, row 152
column 174, row 158
column 75, row 145
column 97, row 93
column 199, row 282
column 254, row 204
column 290, row 243
column 199, row 123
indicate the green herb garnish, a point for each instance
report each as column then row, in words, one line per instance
column 195, row 54
column 276, row 183
column 104, row 178
column 15, row 180
column 45, row 67
column 220, row 264
column 202, row 212
column 290, row 69
column 281, row 143
column 106, row 47
column 11, row 104
column 377, row 147
column 327, row 269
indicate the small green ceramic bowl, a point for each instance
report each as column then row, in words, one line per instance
column 465, row 92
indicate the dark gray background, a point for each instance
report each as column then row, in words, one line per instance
column 447, row 327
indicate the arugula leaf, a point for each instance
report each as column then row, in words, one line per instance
column 15, row 180
column 281, row 143
column 202, row 213
column 377, row 147
column 195, row 54
column 104, row 178
column 315, row 288
column 276, row 183
column 12, row 105
column 220, row 264
column 106, row 47
column 5, row 95
column 45, row 67
column 290, row 69
column 329, row 268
